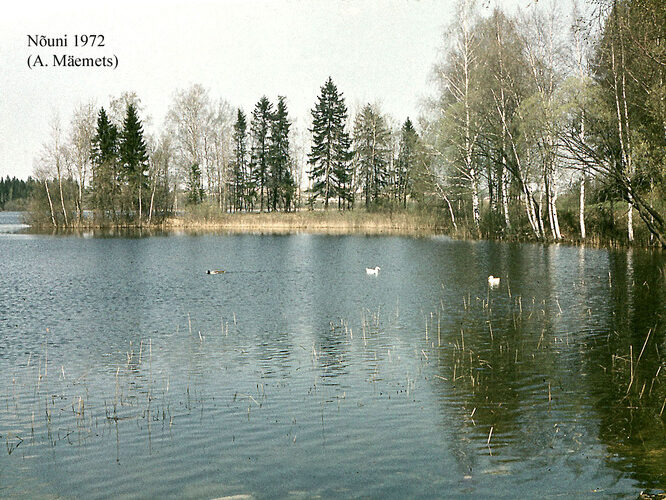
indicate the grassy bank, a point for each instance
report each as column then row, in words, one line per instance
column 332, row 221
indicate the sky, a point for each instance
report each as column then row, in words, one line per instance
column 379, row 51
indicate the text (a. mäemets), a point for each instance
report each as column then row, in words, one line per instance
column 70, row 61
column 93, row 40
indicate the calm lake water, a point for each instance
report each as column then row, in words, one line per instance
column 127, row 371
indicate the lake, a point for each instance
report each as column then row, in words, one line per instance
column 127, row 371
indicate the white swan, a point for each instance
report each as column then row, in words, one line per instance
column 372, row 270
column 493, row 281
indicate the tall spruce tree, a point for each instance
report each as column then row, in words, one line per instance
column 279, row 159
column 330, row 153
column 372, row 149
column 406, row 160
column 134, row 157
column 260, row 128
column 104, row 158
column 240, row 172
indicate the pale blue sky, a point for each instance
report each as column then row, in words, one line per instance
column 375, row 50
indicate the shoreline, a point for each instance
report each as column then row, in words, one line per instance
column 331, row 222
column 314, row 222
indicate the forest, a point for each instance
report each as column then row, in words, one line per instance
column 14, row 193
column 548, row 124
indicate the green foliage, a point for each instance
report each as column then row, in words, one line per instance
column 329, row 155
column 281, row 181
column 195, row 192
column 14, row 193
column 409, row 170
column 514, row 125
column 134, row 162
column 106, row 172
column 262, row 116
column 372, row 153
column 241, row 179
column 132, row 151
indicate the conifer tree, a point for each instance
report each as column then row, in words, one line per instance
column 330, row 154
column 260, row 130
column 406, row 160
column 371, row 146
column 195, row 192
column 240, row 172
column 279, row 159
column 104, row 157
column 133, row 156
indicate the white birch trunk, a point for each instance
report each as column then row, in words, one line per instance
column 62, row 200
column 48, row 195
column 581, row 213
column 556, row 221
column 152, row 200
column 505, row 196
column 475, row 200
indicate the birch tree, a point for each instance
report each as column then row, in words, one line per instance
column 82, row 130
column 189, row 120
column 456, row 77
column 54, row 157
column 543, row 50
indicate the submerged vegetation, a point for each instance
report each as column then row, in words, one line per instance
column 548, row 124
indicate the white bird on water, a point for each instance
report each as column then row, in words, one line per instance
column 493, row 281
column 372, row 270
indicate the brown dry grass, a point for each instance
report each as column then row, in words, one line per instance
column 332, row 221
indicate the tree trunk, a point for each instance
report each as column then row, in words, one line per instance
column 152, row 199
column 453, row 217
column 475, row 201
column 539, row 210
column 530, row 213
column 529, row 199
column 581, row 213
column 175, row 199
column 219, row 188
column 505, row 196
column 328, row 182
column 62, row 200
column 556, row 220
column 48, row 195
column 624, row 147
column 140, row 206
column 79, row 207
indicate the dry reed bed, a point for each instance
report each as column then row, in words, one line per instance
column 313, row 221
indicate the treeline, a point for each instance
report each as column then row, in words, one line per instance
column 262, row 171
column 210, row 158
column 14, row 193
column 544, row 125
column 374, row 163
column 536, row 108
